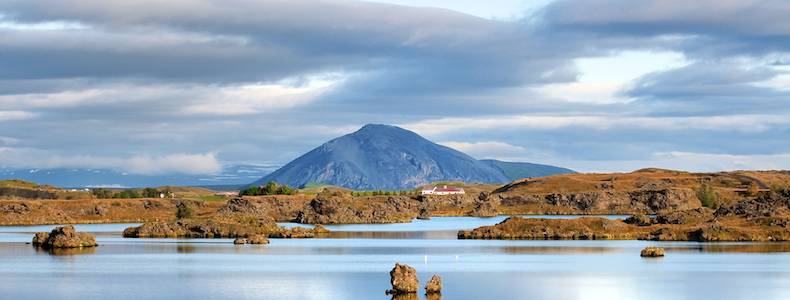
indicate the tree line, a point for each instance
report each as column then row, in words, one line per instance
column 127, row 194
column 271, row 188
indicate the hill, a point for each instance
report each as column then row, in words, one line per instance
column 519, row 170
column 390, row 158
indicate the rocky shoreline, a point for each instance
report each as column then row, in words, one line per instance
column 745, row 209
column 763, row 219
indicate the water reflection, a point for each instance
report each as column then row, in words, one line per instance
column 66, row 251
column 355, row 264
column 185, row 248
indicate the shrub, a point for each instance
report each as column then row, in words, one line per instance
column 150, row 193
column 127, row 194
column 271, row 188
column 707, row 196
column 184, row 210
column 101, row 193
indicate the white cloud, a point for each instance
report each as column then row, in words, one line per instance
column 180, row 163
column 740, row 123
column 15, row 115
column 602, row 78
column 196, row 99
column 256, row 98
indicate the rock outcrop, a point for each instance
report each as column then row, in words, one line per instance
column 588, row 228
column 434, row 285
column 332, row 207
column 190, row 228
column 691, row 216
column 652, row 252
column 64, row 237
column 639, row 220
column 404, row 280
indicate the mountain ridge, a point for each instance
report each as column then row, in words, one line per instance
column 385, row 157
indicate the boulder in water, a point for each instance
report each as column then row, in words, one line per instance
column 403, row 279
column 64, row 237
column 652, row 252
column 434, row 285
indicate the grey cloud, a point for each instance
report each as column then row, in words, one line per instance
column 713, row 87
column 701, row 28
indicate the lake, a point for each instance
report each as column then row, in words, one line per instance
column 355, row 265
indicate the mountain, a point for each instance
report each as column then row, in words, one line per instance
column 519, row 170
column 231, row 176
column 385, row 157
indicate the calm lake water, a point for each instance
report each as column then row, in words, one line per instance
column 355, row 265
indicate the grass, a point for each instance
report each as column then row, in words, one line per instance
column 212, row 198
column 15, row 183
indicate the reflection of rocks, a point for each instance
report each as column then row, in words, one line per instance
column 434, row 285
column 404, row 280
column 64, row 237
column 410, row 296
column 433, row 297
column 652, row 252
column 68, row 251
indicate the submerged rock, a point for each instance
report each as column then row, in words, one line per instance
column 253, row 240
column 64, row 237
column 403, row 279
column 652, row 252
column 434, row 285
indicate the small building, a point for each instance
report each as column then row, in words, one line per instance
column 444, row 190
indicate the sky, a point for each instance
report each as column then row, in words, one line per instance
column 187, row 86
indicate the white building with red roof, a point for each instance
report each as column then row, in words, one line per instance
column 444, row 190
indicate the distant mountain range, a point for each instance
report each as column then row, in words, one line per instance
column 388, row 157
column 374, row 157
column 232, row 176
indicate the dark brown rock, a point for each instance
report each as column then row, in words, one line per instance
column 691, row 216
column 639, row 220
column 652, row 252
column 64, row 237
column 404, row 280
column 434, row 285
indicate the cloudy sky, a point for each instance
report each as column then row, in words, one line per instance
column 149, row 86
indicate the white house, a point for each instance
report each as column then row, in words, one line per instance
column 445, row 190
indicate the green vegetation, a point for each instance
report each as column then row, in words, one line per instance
column 16, row 183
column 128, row 193
column 211, row 198
column 102, row 193
column 184, row 210
column 271, row 188
column 707, row 196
